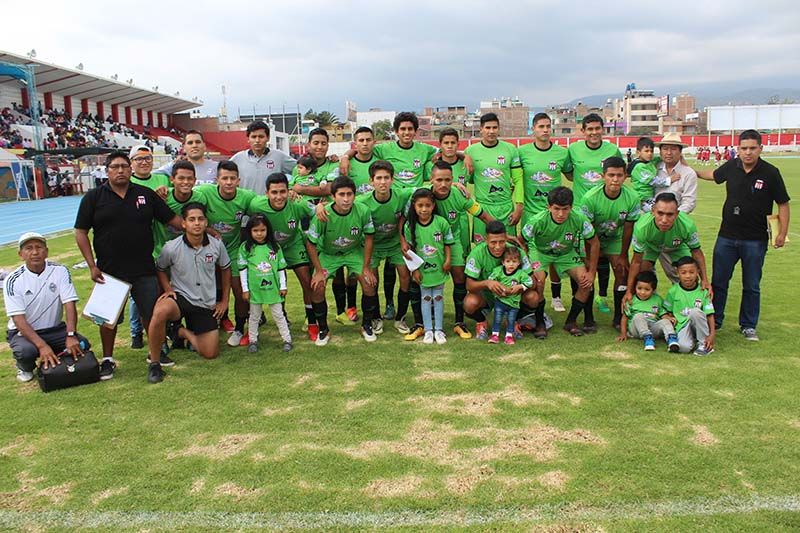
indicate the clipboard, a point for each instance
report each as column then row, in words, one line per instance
column 106, row 302
column 415, row 262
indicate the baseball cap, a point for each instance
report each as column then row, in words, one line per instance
column 31, row 236
column 136, row 149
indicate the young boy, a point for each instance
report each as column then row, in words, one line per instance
column 285, row 218
column 227, row 204
column 516, row 281
column 689, row 308
column 643, row 318
column 304, row 176
column 345, row 240
column 554, row 238
column 644, row 173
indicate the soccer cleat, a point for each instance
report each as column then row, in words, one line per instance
column 344, row 319
column 590, row 327
column 701, row 351
column 155, row 374
column 23, row 376
column 227, row 325
column 462, row 331
column 428, row 339
column 401, row 326
column 494, row 338
column 377, row 326
column 672, row 343
column 481, row 331
column 558, row 305
column 750, row 334
column 649, row 343
column 390, row 312
column 414, row 334
column 252, row 347
column 509, row 340
column 245, row 341
column 368, row 333
column 352, row 313
column 601, row 303
column 439, row 337
column 236, row 338
column 287, row 347
column 323, row 338
column 573, row 329
column 137, row 342
column 313, row 331
column 107, row 367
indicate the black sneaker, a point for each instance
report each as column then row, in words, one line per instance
column 155, row 374
column 107, row 368
column 137, row 342
column 166, row 360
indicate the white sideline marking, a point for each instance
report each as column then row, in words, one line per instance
column 463, row 517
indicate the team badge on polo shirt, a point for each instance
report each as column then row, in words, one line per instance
column 270, row 164
column 209, row 258
column 759, row 184
column 52, row 287
column 140, row 201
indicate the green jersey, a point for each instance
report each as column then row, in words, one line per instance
column 647, row 236
column 609, row 215
column 518, row 277
column 265, row 271
column 481, row 262
column 359, row 173
column 547, row 237
column 680, row 301
column 285, row 222
column 177, row 207
column 644, row 177
column 652, row 307
column 455, row 207
column 225, row 216
column 497, row 173
column 385, row 217
column 587, row 165
column 325, row 173
column 429, row 243
column 409, row 163
column 160, row 232
column 541, row 173
column 341, row 233
column 460, row 174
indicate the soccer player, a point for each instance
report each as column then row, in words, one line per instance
column 345, row 240
column 259, row 161
column 543, row 162
column 481, row 291
column 497, row 175
column 555, row 237
column 195, row 148
column 612, row 209
column 285, row 217
column 227, row 204
column 362, row 160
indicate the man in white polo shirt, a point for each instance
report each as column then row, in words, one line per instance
column 259, row 161
column 35, row 294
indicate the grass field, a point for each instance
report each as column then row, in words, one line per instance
column 567, row 434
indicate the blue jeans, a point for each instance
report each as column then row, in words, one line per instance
column 727, row 252
column 502, row 310
column 134, row 319
column 433, row 307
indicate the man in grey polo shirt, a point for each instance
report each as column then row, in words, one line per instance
column 191, row 292
column 258, row 162
column 194, row 146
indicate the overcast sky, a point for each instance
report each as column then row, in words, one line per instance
column 404, row 55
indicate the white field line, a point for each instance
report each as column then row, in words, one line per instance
column 566, row 512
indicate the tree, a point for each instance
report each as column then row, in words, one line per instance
column 310, row 115
column 382, row 129
column 326, row 118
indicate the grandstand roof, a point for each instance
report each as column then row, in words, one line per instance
column 79, row 84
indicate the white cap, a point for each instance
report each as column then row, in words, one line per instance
column 141, row 148
column 31, row 236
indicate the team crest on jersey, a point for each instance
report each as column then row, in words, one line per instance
column 568, row 236
column 437, row 236
column 552, row 165
column 354, row 230
column 698, row 303
column 592, row 176
column 209, row 258
column 272, row 255
column 451, row 215
column 52, row 287
column 428, row 250
column 676, row 242
column 623, row 215
column 492, row 174
column 501, row 160
column 292, row 223
column 541, row 177
column 417, row 163
column 270, row 164
column 264, row 267
column 654, row 309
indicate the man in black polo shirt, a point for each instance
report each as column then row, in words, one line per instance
column 121, row 215
column 751, row 185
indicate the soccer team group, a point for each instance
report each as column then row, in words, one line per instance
column 237, row 226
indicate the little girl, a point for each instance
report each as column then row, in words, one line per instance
column 516, row 282
column 430, row 237
column 263, row 273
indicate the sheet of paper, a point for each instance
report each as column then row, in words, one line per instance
column 415, row 262
column 107, row 301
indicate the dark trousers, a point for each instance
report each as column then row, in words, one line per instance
column 26, row 353
column 728, row 252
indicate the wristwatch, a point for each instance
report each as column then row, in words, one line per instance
column 71, row 334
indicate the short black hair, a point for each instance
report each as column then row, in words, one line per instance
column 182, row 164
column 308, row 162
column 257, row 125
column 277, row 178
column 363, row 129
column 192, row 205
column 381, row 165
column 668, row 197
column 686, row 260
column 193, row 132
column 117, row 154
column 405, row 116
column 750, row 135
column 512, row 252
column 592, row 117
column 489, row 117
column 560, row 196
column 227, row 165
column 495, row 227
column 540, row 116
column 441, row 164
column 645, row 142
column 448, row 132
column 614, row 162
column 342, row 182
column 647, row 276
column 317, row 131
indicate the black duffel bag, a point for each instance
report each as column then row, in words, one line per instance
column 69, row 372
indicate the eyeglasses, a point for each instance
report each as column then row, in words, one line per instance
column 119, row 166
column 143, row 159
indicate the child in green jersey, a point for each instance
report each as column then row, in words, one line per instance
column 516, row 281
column 430, row 237
column 643, row 316
column 689, row 308
column 644, row 173
column 262, row 270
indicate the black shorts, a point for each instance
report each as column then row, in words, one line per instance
column 199, row 320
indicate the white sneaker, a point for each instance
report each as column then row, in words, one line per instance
column 377, row 326
column 235, row 338
column 428, row 338
column 323, row 338
column 402, row 327
column 369, row 336
column 558, row 305
column 24, row 377
column 440, row 337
